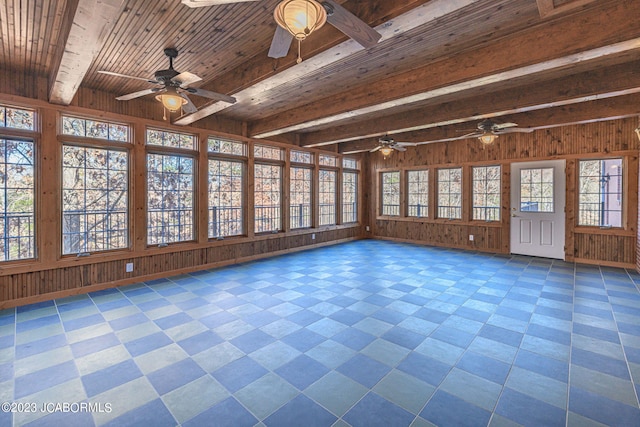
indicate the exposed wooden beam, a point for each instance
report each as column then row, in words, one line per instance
column 606, row 82
column 586, row 112
column 424, row 13
column 561, row 43
column 548, row 7
column 89, row 22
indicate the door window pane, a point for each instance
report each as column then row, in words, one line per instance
column 536, row 190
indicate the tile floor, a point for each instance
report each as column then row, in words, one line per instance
column 369, row 333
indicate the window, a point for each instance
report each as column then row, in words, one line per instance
column 17, row 237
column 349, row 197
column 225, row 198
column 536, row 190
column 267, row 191
column 266, row 152
column 87, row 128
column 600, row 198
column 301, row 157
column 326, row 160
column 222, row 146
column 170, row 188
column 300, row 205
column 94, row 199
column 486, row 193
column 171, row 139
column 390, row 193
column 327, row 192
column 418, row 193
column 349, row 163
column 450, row 193
column 17, row 118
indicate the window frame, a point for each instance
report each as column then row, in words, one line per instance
column 449, row 194
column 623, row 183
column 163, row 150
column 229, row 157
column 310, row 169
column 381, row 193
column 334, row 171
column 498, row 208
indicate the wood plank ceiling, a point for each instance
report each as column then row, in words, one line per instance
column 440, row 66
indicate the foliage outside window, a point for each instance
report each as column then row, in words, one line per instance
column 223, row 146
column 326, row 160
column 17, row 230
column 600, row 193
column 301, row 157
column 267, row 193
column 536, row 190
column 171, row 139
column 349, row 197
column 418, row 193
column 327, row 190
column 300, row 198
column 170, row 195
column 450, row 193
column 225, row 198
column 88, row 128
column 349, row 163
column 486, row 193
column 266, row 152
column 94, row 199
column 17, row 118
column 390, row 193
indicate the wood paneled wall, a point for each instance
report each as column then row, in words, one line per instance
column 53, row 276
column 43, row 284
column 614, row 138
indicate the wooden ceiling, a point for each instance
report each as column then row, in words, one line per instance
column 440, row 66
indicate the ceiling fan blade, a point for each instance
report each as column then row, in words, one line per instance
column 505, row 125
column 212, row 95
column 281, row 43
column 111, row 73
column 407, row 144
column 186, row 78
column 189, row 107
column 203, row 3
column 375, row 149
column 138, row 94
column 350, row 24
column 471, row 135
column 515, row 130
column 398, row 147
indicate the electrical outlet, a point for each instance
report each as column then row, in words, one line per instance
column 129, row 267
column 471, row 237
column 367, row 228
column 313, row 236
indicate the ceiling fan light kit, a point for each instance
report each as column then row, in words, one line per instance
column 300, row 18
column 488, row 138
column 386, row 151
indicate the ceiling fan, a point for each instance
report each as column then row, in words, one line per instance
column 173, row 87
column 299, row 18
column 488, row 131
column 388, row 144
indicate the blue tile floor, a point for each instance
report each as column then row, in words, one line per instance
column 368, row 333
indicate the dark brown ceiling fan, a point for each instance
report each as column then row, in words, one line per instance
column 489, row 130
column 294, row 18
column 386, row 145
column 172, row 87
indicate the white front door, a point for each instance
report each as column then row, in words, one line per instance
column 538, row 208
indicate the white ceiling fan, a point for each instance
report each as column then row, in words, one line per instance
column 299, row 18
column 205, row 3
